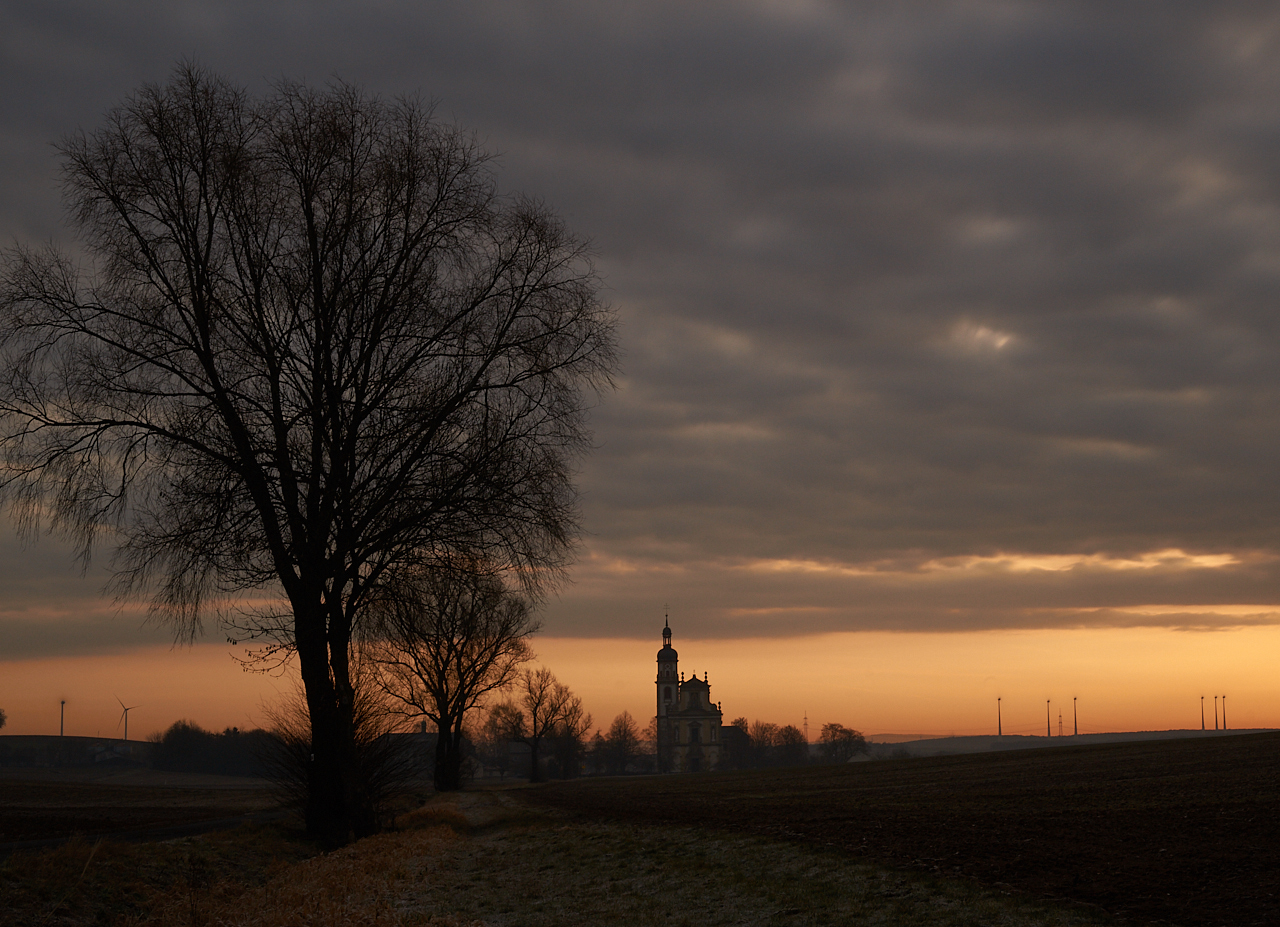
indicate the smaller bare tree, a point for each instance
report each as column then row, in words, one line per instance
column 839, row 744
column 569, row 737
column 493, row 738
column 543, row 709
column 444, row 639
column 792, row 748
column 599, row 754
column 622, row 743
column 763, row 743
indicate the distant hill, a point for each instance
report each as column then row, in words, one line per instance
column 42, row 750
column 883, row 745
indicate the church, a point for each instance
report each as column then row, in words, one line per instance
column 688, row 722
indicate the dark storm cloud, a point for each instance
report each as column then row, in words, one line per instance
column 898, row 282
column 1061, row 61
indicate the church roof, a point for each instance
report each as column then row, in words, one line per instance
column 668, row 654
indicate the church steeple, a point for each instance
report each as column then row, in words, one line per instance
column 668, row 692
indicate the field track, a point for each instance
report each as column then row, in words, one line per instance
column 1182, row 832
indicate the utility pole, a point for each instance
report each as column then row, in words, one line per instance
column 1048, row 724
column 62, row 717
column 1215, row 712
column 1202, row 712
column 999, row 720
column 1075, row 717
column 1224, row 712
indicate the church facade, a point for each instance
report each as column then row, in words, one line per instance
column 688, row 722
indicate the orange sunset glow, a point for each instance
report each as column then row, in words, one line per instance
column 1132, row 679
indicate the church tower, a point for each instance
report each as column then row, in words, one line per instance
column 668, row 697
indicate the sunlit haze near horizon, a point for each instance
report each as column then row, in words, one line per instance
column 950, row 345
column 932, row 684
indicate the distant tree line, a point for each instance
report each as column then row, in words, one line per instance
column 762, row 744
column 187, row 747
column 540, row 731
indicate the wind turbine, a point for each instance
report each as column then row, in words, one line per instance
column 124, row 715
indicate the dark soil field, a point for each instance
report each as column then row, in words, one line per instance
column 1180, row 832
column 50, row 804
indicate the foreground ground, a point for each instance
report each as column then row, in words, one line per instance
column 486, row 858
column 1181, row 832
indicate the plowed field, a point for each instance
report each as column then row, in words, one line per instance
column 42, row 805
column 1183, row 832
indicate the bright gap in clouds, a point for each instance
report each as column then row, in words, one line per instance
column 1172, row 558
column 974, row 338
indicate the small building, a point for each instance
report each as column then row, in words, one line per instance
column 688, row 722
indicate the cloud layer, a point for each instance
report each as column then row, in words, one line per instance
column 934, row 316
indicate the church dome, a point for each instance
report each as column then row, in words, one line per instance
column 668, row 654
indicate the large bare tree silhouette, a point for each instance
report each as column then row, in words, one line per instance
column 315, row 350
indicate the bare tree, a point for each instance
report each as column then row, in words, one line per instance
column 763, row 743
column 444, row 639
column 840, row 744
column 569, row 736
column 599, row 754
column 543, row 707
column 494, row 736
column 315, row 351
column 792, row 748
column 622, row 743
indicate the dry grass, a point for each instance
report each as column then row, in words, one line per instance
column 481, row 859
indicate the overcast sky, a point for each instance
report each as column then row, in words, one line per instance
column 934, row 316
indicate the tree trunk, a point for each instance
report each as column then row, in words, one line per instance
column 535, row 771
column 338, row 804
column 448, row 774
column 326, row 813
